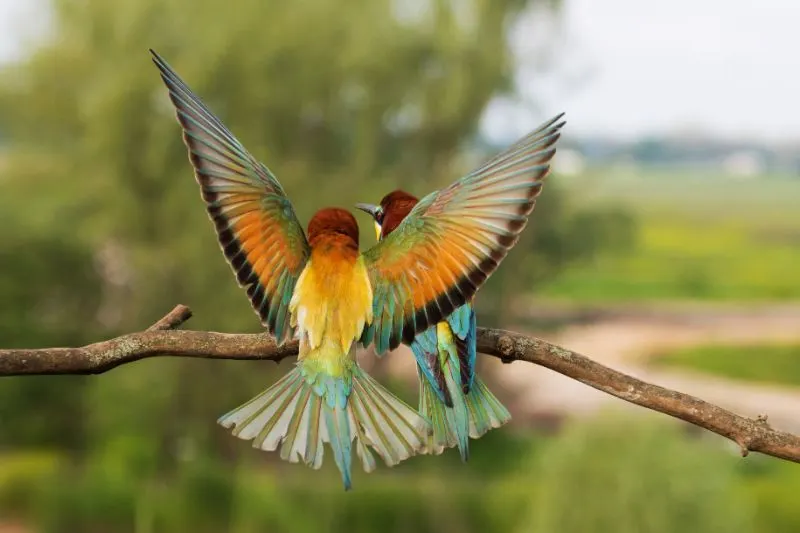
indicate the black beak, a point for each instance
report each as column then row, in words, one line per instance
column 369, row 208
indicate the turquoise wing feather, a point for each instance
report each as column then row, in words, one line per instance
column 255, row 222
column 464, row 325
column 426, row 351
column 454, row 239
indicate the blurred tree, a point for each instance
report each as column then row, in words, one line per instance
column 48, row 288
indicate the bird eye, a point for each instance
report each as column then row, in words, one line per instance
column 379, row 215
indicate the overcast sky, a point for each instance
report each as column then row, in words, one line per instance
column 728, row 67
column 633, row 67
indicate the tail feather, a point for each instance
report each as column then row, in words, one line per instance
column 262, row 413
column 485, row 410
column 393, row 428
column 471, row 416
column 432, row 407
column 297, row 432
column 304, row 410
column 450, row 424
column 341, row 439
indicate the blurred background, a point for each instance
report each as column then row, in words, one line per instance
column 666, row 244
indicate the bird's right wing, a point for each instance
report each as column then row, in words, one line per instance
column 453, row 240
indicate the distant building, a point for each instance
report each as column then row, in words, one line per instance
column 687, row 151
column 744, row 164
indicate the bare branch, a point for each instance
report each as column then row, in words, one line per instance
column 161, row 340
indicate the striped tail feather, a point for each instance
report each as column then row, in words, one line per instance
column 485, row 410
column 456, row 401
column 306, row 409
column 450, row 424
column 471, row 416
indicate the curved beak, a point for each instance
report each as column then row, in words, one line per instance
column 373, row 212
column 368, row 208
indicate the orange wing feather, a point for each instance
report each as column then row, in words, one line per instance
column 255, row 222
column 454, row 239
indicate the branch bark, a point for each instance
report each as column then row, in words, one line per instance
column 161, row 339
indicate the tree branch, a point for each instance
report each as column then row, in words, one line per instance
column 160, row 339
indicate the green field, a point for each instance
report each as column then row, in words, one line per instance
column 766, row 363
column 700, row 237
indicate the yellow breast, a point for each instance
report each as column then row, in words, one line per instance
column 332, row 301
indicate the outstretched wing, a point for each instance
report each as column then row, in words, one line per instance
column 255, row 222
column 453, row 240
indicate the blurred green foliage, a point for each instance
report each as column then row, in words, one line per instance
column 777, row 363
column 653, row 477
column 698, row 237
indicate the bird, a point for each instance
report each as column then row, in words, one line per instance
column 317, row 286
column 456, row 401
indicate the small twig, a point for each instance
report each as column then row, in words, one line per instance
column 173, row 319
column 161, row 340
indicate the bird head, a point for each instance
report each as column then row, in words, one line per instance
column 394, row 207
column 332, row 222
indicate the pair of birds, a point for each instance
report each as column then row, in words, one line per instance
column 415, row 286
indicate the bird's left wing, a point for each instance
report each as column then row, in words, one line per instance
column 454, row 239
column 256, row 225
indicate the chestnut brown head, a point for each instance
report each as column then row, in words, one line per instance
column 332, row 222
column 394, row 207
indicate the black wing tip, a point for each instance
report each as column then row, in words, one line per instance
column 552, row 126
column 406, row 336
column 170, row 78
column 161, row 63
column 557, row 118
column 438, row 309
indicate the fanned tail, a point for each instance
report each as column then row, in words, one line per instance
column 450, row 424
column 471, row 416
column 305, row 409
column 485, row 410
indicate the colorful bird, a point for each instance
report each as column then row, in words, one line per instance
column 318, row 287
column 452, row 397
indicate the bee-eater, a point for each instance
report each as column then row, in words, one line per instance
column 318, row 287
column 451, row 396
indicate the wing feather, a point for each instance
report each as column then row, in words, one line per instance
column 256, row 226
column 454, row 239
